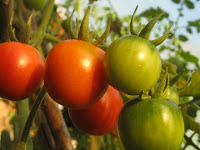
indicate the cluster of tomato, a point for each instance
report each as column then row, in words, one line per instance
column 81, row 77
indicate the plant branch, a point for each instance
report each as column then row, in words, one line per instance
column 189, row 102
column 57, row 124
column 51, row 38
column 22, row 143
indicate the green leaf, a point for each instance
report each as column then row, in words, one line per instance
column 189, row 4
column 176, row 1
column 106, row 8
column 183, row 38
column 193, row 87
column 189, row 30
column 187, row 56
column 154, row 12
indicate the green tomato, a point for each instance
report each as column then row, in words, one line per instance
column 35, row 4
column 132, row 64
column 151, row 124
column 171, row 93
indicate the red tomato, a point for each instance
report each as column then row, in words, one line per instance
column 74, row 74
column 22, row 68
column 100, row 118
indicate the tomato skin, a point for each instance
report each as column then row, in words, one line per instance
column 151, row 124
column 22, row 69
column 102, row 117
column 35, row 4
column 171, row 93
column 132, row 64
column 74, row 74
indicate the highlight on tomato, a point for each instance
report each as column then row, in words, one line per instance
column 102, row 117
column 22, row 69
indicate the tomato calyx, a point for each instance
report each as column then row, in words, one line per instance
column 145, row 32
column 166, row 89
column 25, row 38
column 82, row 32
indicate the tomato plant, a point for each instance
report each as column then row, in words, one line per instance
column 21, row 68
column 35, row 4
column 74, row 74
column 151, row 124
column 102, row 117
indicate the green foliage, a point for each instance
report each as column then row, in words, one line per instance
column 192, row 89
column 189, row 4
column 5, row 140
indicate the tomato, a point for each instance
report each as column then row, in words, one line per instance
column 132, row 64
column 35, row 4
column 22, row 69
column 102, row 117
column 151, row 124
column 171, row 93
column 74, row 74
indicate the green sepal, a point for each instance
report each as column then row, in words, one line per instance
column 161, row 39
column 38, row 41
column 104, row 35
column 144, row 95
column 162, row 85
column 145, row 33
column 71, row 33
column 77, row 27
column 84, row 30
column 132, row 29
column 27, row 31
column 39, row 34
column 12, row 30
column 176, row 78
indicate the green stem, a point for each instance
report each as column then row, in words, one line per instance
column 189, row 102
column 22, row 113
column 196, row 106
column 51, row 38
column 22, row 143
column 42, row 28
column 79, row 9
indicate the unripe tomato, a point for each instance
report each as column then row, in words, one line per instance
column 102, row 117
column 74, row 74
column 22, row 68
column 171, row 93
column 132, row 64
column 35, row 4
column 151, row 124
